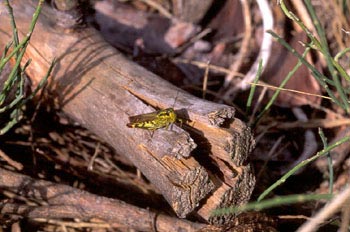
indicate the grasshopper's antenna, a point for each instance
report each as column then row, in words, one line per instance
column 177, row 94
column 180, row 120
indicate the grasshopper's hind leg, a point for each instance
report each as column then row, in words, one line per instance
column 152, row 133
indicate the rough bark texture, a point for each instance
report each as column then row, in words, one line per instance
column 99, row 88
column 61, row 201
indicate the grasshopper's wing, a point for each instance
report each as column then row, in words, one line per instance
column 143, row 117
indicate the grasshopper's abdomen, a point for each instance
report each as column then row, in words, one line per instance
column 148, row 125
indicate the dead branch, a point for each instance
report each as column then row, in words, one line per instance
column 56, row 201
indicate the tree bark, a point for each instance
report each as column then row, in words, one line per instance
column 99, row 88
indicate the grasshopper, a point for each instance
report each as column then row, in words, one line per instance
column 154, row 120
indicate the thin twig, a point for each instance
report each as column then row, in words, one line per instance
column 92, row 160
column 245, row 43
column 330, row 209
column 205, row 80
column 10, row 161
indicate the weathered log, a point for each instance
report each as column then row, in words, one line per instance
column 61, row 201
column 100, row 89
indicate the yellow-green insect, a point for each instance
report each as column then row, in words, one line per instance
column 154, row 120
